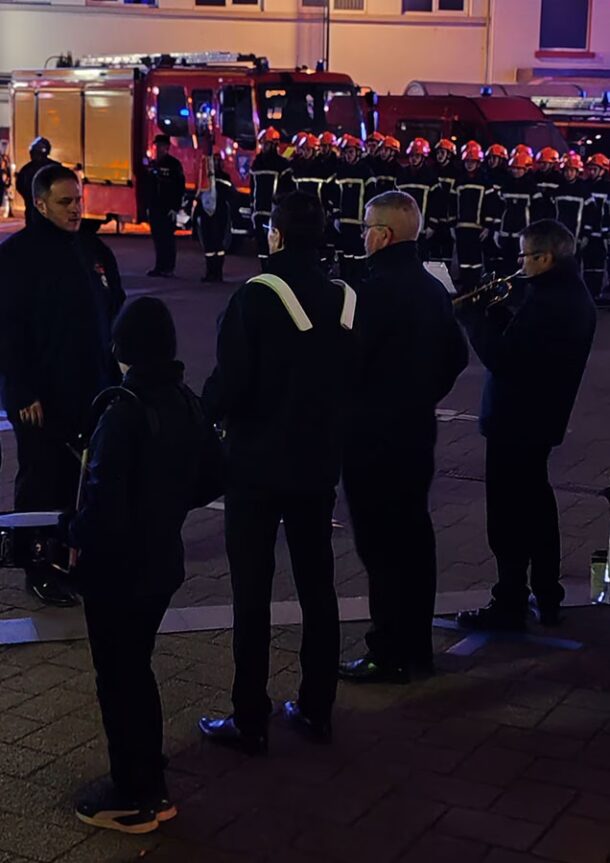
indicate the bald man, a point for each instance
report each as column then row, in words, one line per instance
column 412, row 352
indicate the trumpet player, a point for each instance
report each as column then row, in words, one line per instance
column 535, row 355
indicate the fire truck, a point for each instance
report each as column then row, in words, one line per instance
column 101, row 115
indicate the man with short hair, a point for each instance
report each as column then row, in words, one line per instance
column 283, row 358
column 60, row 292
column 535, row 354
column 164, row 192
column 412, row 352
column 39, row 158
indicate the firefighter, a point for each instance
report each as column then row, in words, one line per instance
column 388, row 168
column 354, row 186
column 327, row 151
column 327, row 161
column 522, row 148
column 306, row 168
column 469, row 214
column 547, row 178
column 212, row 221
column 164, row 192
column 268, row 173
column 597, row 224
column 516, row 198
column 571, row 197
column 419, row 180
column 373, row 145
column 39, row 157
column 496, row 165
column 441, row 244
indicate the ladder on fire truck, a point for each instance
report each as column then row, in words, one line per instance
column 172, row 60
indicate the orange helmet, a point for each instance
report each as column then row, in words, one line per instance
column 472, row 152
column 521, row 160
column 497, row 150
column 418, row 147
column 600, row 161
column 309, row 140
column 391, row 143
column 327, row 138
column 572, row 160
column 522, row 148
column 446, row 144
column 268, row 135
column 350, row 141
column 377, row 137
column 548, row 155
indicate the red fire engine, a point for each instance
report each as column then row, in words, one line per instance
column 102, row 114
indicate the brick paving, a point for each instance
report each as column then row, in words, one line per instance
column 503, row 758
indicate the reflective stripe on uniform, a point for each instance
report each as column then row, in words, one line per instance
column 288, row 298
column 349, row 304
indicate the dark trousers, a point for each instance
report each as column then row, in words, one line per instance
column 260, row 237
column 509, row 251
column 522, row 524
column 470, row 256
column 395, row 540
column 251, row 521
column 441, row 246
column 47, row 475
column 594, row 265
column 162, row 227
column 122, row 639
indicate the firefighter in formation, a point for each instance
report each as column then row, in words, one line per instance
column 474, row 202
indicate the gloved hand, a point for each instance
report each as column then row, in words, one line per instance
column 484, row 234
column 429, row 233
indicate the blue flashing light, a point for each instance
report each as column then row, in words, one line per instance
column 184, row 112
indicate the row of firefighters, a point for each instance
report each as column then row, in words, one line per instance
column 474, row 203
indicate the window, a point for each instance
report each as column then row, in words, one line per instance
column 564, row 24
column 210, row 3
column 349, row 5
column 292, row 108
column 203, row 109
column 173, row 112
column 122, row 2
column 236, row 113
column 535, row 134
column 434, row 5
column 318, row 3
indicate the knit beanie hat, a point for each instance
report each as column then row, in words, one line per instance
column 144, row 333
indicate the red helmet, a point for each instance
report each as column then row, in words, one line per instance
column 418, row 147
column 309, row 140
column 350, row 141
column 522, row 148
column 521, row 160
column 268, row 135
column 377, row 137
column 327, row 138
column 472, row 152
column 446, row 144
column 548, row 156
column 391, row 143
column 498, row 150
column 572, row 160
column 600, row 161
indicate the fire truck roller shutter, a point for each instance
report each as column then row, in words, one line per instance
column 108, row 136
column 59, row 120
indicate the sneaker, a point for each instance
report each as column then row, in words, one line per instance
column 108, row 809
column 492, row 617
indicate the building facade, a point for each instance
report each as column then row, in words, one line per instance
column 383, row 44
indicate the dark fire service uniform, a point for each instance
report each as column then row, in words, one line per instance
column 214, row 229
column 164, row 193
column 354, row 187
column 59, row 295
column 268, row 175
column 316, row 177
column 570, row 199
column 516, row 205
column 441, row 244
column 386, row 173
column 535, row 360
column 469, row 214
column 412, row 352
column 281, row 393
column 422, row 184
column 596, row 231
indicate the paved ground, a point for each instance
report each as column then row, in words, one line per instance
column 503, row 758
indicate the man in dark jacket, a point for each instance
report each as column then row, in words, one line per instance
column 60, row 292
column 535, row 356
column 279, row 384
column 39, row 158
column 413, row 350
column 144, row 463
column 164, row 192
column 212, row 220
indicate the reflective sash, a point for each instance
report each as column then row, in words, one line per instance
column 296, row 310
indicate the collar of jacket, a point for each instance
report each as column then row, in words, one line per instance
column 566, row 272
column 289, row 261
column 43, row 227
column 396, row 255
column 153, row 375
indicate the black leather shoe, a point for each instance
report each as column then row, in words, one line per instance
column 153, row 273
column 492, row 617
column 225, row 732
column 320, row 732
column 48, row 589
column 366, row 670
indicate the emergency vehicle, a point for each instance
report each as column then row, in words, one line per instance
column 102, row 114
column 583, row 121
column 487, row 119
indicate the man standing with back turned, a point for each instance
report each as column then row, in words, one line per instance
column 59, row 294
column 413, row 350
column 535, row 355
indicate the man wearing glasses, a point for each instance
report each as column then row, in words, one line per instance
column 535, row 355
column 412, row 352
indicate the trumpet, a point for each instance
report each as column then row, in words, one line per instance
column 495, row 291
